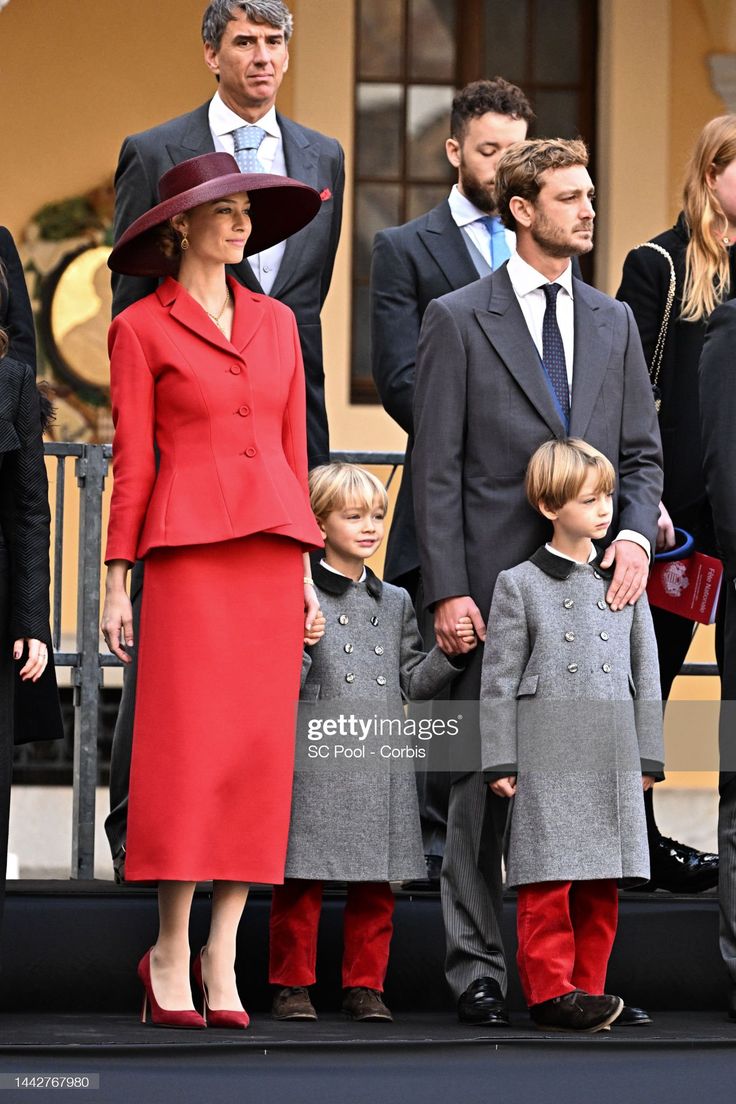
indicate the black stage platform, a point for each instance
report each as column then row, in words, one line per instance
column 70, row 1000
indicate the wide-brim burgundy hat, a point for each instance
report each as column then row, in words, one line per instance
column 279, row 206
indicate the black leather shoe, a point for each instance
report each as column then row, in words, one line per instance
column 483, row 1003
column 432, row 881
column 576, row 1011
column 681, row 869
column 118, row 866
column 632, row 1017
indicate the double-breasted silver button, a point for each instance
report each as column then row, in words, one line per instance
column 378, row 649
column 601, row 604
column 348, row 648
column 572, row 668
column 606, row 668
column 568, row 603
column 343, row 619
column 374, row 620
column 350, row 677
column 596, row 575
column 604, row 636
column 381, row 680
column 569, row 637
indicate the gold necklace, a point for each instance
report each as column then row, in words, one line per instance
column 216, row 317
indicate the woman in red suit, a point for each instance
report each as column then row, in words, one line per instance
column 210, row 487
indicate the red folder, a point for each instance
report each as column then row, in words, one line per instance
column 689, row 587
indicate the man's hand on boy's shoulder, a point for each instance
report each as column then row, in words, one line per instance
column 630, row 574
column 449, row 615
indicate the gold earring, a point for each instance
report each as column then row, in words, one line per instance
column 184, row 243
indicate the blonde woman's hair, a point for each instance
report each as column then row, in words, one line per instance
column 558, row 469
column 335, row 486
column 707, row 275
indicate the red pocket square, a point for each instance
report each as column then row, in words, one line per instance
column 325, row 194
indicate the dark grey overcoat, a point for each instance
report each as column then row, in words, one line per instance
column 358, row 820
column 571, row 704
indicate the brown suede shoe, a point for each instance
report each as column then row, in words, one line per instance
column 292, row 1003
column 365, row 1004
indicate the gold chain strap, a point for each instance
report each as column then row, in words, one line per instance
column 656, row 366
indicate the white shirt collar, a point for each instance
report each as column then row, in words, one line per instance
column 564, row 556
column 524, row 278
column 223, row 120
column 342, row 573
column 462, row 210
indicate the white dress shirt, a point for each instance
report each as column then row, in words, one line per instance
column 564, row 555
column 527, row 284
column 467, row 216
column 223, row 121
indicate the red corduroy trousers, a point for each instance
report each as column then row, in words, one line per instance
column 565, row 931
column 367, row 930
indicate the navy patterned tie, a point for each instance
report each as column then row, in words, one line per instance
column 553, row 351
column 246, row 140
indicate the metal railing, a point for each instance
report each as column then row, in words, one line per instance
column 88, row 661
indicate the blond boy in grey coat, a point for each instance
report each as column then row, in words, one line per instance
column 571, row 727
column 354, row 818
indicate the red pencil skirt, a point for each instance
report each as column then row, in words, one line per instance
column 220, row 652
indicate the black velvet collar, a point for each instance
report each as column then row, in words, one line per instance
column 340, row 584
column 559, row 568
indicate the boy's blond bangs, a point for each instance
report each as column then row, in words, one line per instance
column 335, row 486
column 558, row 470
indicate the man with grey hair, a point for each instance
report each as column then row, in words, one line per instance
column 246, row 49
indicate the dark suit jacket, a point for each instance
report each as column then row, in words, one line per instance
column 306, row 269
column 24, row 557
column 644, row 283
column 717, row 422
column 16, row 316
column 482, row 407
column 412, row 265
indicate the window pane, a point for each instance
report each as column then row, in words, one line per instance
column 361, row 333
column 432, row 39
column 557, row 42
column 506, row 33
column 379, row 126
column 557, row 114
column 428, row 126
column 423, row 197
column 376, row 206
column 380, row 32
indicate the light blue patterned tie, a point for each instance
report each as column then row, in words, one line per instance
column 246, row 141
column 499, row 247
column 553, row 351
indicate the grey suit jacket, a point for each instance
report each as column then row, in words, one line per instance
column 482, row 407
column 412, row 265
column 306, row 269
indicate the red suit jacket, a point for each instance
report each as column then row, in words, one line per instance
column 228, row 419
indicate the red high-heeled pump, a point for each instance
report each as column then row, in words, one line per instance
column 163, row 1017
column 216, row 1017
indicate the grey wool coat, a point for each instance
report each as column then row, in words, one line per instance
column 358, row 821
column 570, row 703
